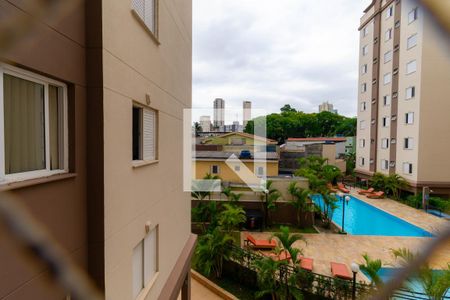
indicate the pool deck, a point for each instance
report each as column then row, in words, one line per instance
column 327, row 247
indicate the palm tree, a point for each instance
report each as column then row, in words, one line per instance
column 211, row 250
column 267, row 271
column 329, row 203
column 231, row 217
column 299, row 199
column 268, row 199
column 231, row 196
column 287, row 241
column 434, row 284
column 350, row 162
column 371, row 268
column 197, row 128
column 393, row 184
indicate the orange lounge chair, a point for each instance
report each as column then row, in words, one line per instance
column 284, row 255
column 306, row 263
column 376, row 195
column 368, row 191
column 342, row 188
column 340, row 271
column 260, row 244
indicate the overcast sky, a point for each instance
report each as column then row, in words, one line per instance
column 299, row 52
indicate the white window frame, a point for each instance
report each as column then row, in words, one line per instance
column 362, row 124
column 146, row 154
column 39, row 79
column 362, row 143
column 387, row 78
column 389, row 11
column 410, row 143
column 413, row 92
column 384, row 143
column 410, row 64
column 361, row 161
column 387, row 100
column 363, row 87
column 388, row 35
column 364, row 69
column 363, row 106
column 384, row 164
column 409, row 120
column 365, row 30
column 143, row 15
column 386, row 121
column 257, row 171
column 415, row 14
column 387, row 56
column 409, row 166
column 365, row 50
column 413, row 38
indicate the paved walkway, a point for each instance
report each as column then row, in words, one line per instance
column 327, row 247
column 200, row 292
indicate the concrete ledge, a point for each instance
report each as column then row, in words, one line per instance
column 212, row 286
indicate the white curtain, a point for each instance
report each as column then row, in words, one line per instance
column 24, row 125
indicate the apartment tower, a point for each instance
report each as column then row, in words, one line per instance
column 247, row 112
column 404, row 71
column 325, row 106
column 219, row 112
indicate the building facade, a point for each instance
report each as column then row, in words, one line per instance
column 205, row 123
column 402, row 96
column 105, row 84
column 219, row 113
column 325, row 106
column 246, row 112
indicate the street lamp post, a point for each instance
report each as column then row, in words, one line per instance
column 345, row 201
column 355, row 270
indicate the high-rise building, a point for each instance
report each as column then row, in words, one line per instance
column 403, row 91
column 219, row 112
column 247, row 112
column 325, row 106
column 205, row 123
column 99, row 167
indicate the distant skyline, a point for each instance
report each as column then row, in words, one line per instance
column 297, row 52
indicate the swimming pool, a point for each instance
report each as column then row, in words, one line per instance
column 364, row 219
column 413, row 288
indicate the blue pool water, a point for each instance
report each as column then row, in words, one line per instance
column 414, row 285
column 364, row 219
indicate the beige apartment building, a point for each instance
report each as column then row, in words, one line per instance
column 403, row 96
column 92, row 100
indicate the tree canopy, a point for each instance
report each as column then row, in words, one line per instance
column 292, row 123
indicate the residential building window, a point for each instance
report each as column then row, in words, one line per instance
column 145, row 261
column 215, row 169
column 387, row 78
column 412, row 15
column 260, row 171
column 409, row 118
column 407, row 168
column 384, row 143
column 410, row 92
column 408, row 143
column 147, row 12
column 411, row 67
column 388, row 34
column 387, row 56
column 365, row 50
column 144, row 133
column 384, row 164
column 361, row 161
column 362, row 124
column 362, row 143
column 385, row 122
column 412, row 41
column 365, row 30
column 364, row 87
column 363, row 106
column 237, row 168
column 34, row 140
column 387, row 100
column 364, row 69
column 389, row 11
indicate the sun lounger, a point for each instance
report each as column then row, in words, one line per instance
column 260, row 244
column 342, row 188
column 368, row 191
column 306, row 263
column 283, row 255
column 376, row 195
column 340, row 271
